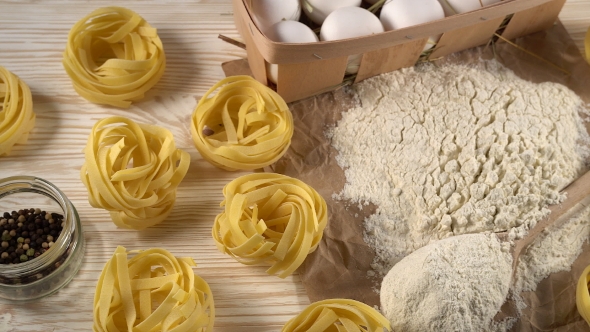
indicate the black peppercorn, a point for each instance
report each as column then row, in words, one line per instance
column 28, row 232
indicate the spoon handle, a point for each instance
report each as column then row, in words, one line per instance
column 576, row 192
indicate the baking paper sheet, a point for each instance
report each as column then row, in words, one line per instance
column 340, row 267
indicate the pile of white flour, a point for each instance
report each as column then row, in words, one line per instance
column 450, row 150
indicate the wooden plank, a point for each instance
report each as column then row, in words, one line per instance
column 32, row 40
column 300, row 80
column 464, row 38
column 533, row 20
column 390, row 59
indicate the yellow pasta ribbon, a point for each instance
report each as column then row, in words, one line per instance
column 133, row 171
column 338, row 315
column 270, row 219
column 587, row 45
column 16, row 111
column 583, row 296
column 152, row 292
column 244, row 126
column 113, row 56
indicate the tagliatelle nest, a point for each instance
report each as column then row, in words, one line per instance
column 270, row 219
column 16, row 111
column 243, row 126
column 338, row 315
column 153, row 291
column 113, row 56
column 133, row 171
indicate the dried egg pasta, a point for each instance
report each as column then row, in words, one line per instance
column 583, row 295
column 587, row 45
column 153, row 291
column 338, row 315
column 245, row 125
column 113, row 56
column 270, row 219
column 16, row 111
column 133, row 171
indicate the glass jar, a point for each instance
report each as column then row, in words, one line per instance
column 45, row 274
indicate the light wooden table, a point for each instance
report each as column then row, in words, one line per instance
column 32, row 39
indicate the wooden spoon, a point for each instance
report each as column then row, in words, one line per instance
column 576, row 192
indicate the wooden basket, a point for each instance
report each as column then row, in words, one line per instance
column 308, row 69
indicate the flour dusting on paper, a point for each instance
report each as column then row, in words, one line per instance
column 456, row 149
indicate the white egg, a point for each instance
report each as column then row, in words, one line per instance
column 397, row 14
column 452, row 7
column 288, row 32
column 318, row 10
column 268, row 12
column 350, row 22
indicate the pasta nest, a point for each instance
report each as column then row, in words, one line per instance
column 133, row 171
column 270, row 219
column 243, row 126
column 113, row 56
column 16, row 111
column 583, row 295
column 153, row 291
column 338, row 315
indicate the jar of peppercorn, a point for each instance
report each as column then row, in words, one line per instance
column 41, row 239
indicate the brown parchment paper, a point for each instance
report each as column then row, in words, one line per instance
column 340, row 267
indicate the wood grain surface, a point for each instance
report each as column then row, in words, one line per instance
column 33, row 34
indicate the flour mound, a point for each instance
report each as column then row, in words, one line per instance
column 457, row 284
column 457, row 149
